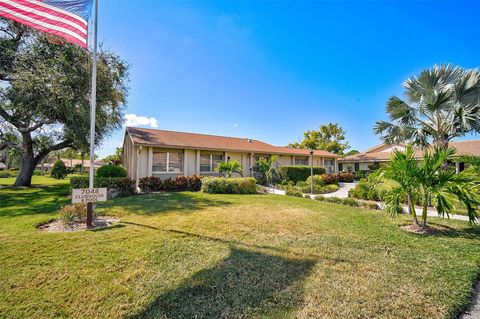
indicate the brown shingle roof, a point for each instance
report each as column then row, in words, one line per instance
column 162, row 138
column 471, row 147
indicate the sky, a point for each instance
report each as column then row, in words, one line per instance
column 270, row 70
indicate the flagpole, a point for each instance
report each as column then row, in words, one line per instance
column 93, row 102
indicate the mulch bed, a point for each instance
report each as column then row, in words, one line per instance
column 58, row 225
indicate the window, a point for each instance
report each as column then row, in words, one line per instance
column 209, row 162
column 357, row 167
column 340, row 167
column 329, row 162
column 171, row 162
column 301, row 160
column 160, row 161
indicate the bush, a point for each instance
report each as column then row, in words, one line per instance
column 150, row 184
column 111, row 171
column 69, row 214
column 317, row 189
column 350, row 202
column 59, row 170
column 299, row 173
column 336, row 200
column 346, row 177
column 293, row 191
column 221, row 185
column 317, row 180
column 125, row 186
column 7, row 174
column 360, row 174
column 330, row 179
column 370, row 205
column 320, row 198
column 189, row 183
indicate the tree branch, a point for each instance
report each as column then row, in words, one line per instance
column 34, row 127
column 52, row 148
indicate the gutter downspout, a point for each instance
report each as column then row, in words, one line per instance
column 138, row 169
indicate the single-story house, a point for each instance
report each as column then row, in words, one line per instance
column 71, row 163
column 167, row 154
column 382, row 153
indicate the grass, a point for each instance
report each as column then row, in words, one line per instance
column 185, row 255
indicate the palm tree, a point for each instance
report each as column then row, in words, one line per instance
column 268, row 168
column 442, row 103
column 430, row 178
column 229, row 168
column 403, row 168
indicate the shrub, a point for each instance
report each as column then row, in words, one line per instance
column 320, row 198
column 346, row 177
column 221, row 185
column 169, row 185
column 299, row 173
column 7, row 174
column 317, row 180
column 293, row 191
column 336, row 200
column 69, row 214
column 189, row 183
column 150, row 184
column 124, row 185
column 317, row 189
column 370, row 205
column 360, row 174
column 330, row 179
column 350, row 202
column 37, row 172
column 111, row 171
column 59, row 170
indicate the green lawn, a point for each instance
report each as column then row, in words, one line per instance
column 186, row 255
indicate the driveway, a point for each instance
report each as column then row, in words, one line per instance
column 342, row 191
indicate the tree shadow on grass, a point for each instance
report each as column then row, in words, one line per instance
column 35, row 200
column 163, row 202
column 436, row 229
column 243, row 283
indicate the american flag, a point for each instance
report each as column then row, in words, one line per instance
column 64, row 18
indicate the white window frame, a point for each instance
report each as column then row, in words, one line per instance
column 211, row 162
column 168, row 163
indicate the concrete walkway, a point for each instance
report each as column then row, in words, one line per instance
column 474, row 311
column 343, row 193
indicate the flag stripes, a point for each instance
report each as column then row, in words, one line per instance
column 47, row 18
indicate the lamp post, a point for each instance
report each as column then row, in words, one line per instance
column 311, row 171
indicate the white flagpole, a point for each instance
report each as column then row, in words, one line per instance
column 93, row 102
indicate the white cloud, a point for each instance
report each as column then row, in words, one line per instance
column 135, row 120
column 236, row 125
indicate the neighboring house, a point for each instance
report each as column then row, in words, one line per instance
column 165, row 154
column 381, row 154
column 72, row 163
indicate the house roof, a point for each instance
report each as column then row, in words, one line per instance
column 174, row 139
column 471, row 147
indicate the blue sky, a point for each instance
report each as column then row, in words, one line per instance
column 271, row 70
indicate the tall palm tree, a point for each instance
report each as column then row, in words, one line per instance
column 430, row 178
column 441, row 103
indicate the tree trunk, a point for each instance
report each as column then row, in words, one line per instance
column 424, row 211
column 411, row 210
column 27, row 164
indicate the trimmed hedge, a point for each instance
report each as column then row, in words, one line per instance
column 124, row 185
column 180, row 183
column 111, row 171
column 220, row 185
column 299, row 173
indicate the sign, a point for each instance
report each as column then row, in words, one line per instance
column 89, row 195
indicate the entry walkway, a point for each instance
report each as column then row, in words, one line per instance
column 343, row 193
